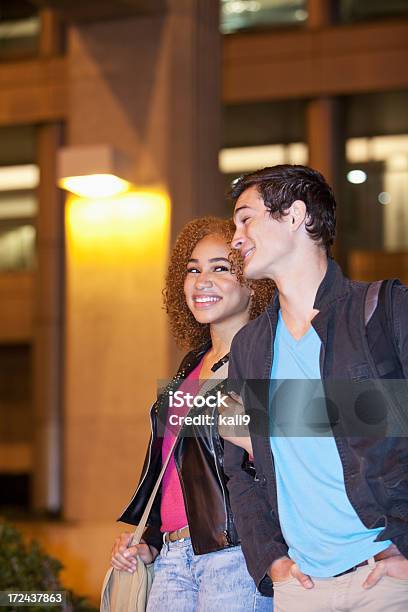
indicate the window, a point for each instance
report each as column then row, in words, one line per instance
column 246, row 14
column 15, row 427
column 380, row 194
column 18, row 209
column 18, row 201
column 19, row 29
column 363, row 10
column 376, row 191
column 262, row 134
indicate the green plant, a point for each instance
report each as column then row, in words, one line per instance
column 24, row 566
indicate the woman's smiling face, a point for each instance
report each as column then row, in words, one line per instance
column 213, row 293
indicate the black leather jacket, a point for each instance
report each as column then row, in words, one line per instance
column 199, row 459
column 375, row 469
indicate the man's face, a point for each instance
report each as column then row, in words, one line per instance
column 262, row 240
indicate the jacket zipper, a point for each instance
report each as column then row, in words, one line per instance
column 176, row 378
column 219, row 477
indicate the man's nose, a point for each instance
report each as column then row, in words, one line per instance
column 237, row 240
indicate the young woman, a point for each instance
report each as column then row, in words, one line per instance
column 200, row 565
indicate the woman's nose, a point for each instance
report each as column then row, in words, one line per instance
column 203, row 281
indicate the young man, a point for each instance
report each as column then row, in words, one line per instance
column 325, row 522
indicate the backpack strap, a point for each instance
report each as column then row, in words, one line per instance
column 380, row 329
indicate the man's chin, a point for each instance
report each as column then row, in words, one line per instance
column 251, row 273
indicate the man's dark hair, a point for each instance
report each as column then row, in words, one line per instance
column 280, row 186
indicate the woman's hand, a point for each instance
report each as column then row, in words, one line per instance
column 124, row 556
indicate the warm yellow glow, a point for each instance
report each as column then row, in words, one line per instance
column 94, row 185
column 135, row 224
column 116, row 260
column 116, row 344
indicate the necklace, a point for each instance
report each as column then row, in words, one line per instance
column 220, row 362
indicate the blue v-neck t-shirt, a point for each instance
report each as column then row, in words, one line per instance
column 321, row 528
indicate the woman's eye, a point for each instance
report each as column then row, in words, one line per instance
column 245, row 219
column 221, row 269
column 193, row 270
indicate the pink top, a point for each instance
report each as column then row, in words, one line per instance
column 172, row 511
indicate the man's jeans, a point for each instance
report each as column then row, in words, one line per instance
column 343, row 594
column 215, row 582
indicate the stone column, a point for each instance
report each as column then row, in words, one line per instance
column 48, row 315
column 324, row 120
column 149, row 86
column 326, row 143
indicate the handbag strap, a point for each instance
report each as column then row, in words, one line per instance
column 137, row 536
column 205, row 388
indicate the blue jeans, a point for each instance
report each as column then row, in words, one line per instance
column 215, row 582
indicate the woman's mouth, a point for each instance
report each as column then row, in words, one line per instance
column 205, row 301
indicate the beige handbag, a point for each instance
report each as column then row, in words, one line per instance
column 126, row 592
column 121, row 590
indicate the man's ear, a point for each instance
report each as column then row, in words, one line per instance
column 297, row 214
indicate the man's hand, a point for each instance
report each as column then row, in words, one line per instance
column 395, row 567
column 284, row 568
column 123, row 555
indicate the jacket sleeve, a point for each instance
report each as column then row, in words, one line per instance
column 400, row 319
column 153, row 536
column 257, row 524
column 258, row 528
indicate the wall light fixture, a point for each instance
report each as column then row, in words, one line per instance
column 94, row 171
